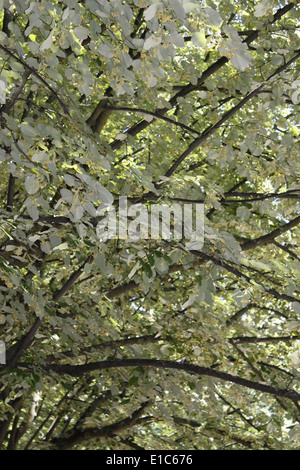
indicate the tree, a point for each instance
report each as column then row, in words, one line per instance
column 122, row 343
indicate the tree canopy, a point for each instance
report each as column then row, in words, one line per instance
column 124, row 343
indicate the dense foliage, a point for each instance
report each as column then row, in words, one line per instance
column 149, row 343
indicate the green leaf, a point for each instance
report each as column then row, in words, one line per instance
column 199, row 39
column 81, row 32
column 133, row 380
column 176, row 39
column 147, row 268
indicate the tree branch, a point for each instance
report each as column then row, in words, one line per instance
column 7, row 107
column 274, row 339
column 269, row 237
column 206, row 74
column 154, row 114
column 71, row 281
column 106, row 431
column 146, row 339
column 40, row 78
column 233, row 270
column 80, row 370
column 211, row 129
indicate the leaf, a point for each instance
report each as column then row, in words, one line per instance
column 48, row 42
column 78, row 213
column 65, row 14
column 70, row 180
column 104, row 195
column 61, row 247
column 277, row 59
column 31, row 184
column 133, row 380
column 296, row 307
column 106, row 51
column 67, row 195
column 189, row 302
column 243, row 213
column 151, row 41
column 262, row 8
column 121, row 136
column 176, row 39
column 100, row 263
column 28, row 130
column 190, row 6
column 241, row 61
column 54, row 240
column 212, row 17
column 81, row 32
column 32, row 209
column 295, row 97
column 241, row 297
column 199, row 39
column 147, row 269
column 236, row 49
column 134, row 269
column 39, row 157
column 146, row 182
column 150, row 12
column 3, row 85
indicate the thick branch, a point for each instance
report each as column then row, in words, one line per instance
column 146, row 339
column 10, row 192
column 80, row 370
column 273, row 339
column 269, row 237
column 154, row 114
column 239, row 314
column 71, row 281
column 15, row 352
column 106, row 431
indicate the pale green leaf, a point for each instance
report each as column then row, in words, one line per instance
column 47, row 43
column 27, row 130
column 31, row 184
column 199, row 39
column 151, row 42
column 212, row 17
column 150, row 12
column 3, row 85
